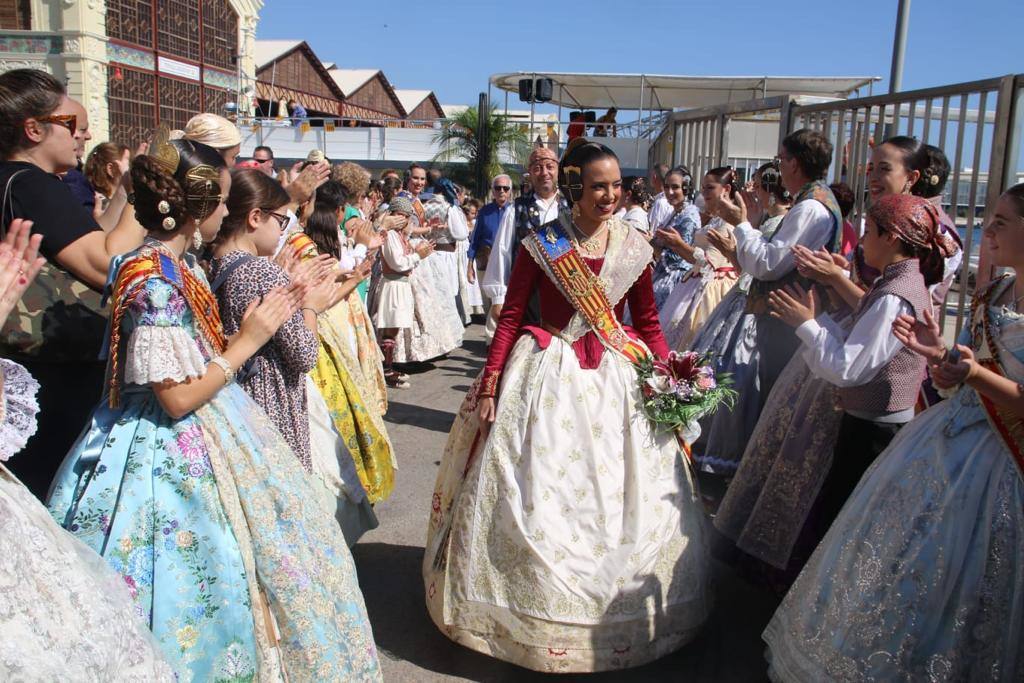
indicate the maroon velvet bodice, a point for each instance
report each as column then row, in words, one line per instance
column 556, row 311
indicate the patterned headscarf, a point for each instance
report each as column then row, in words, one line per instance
column 916, row 222
column 400, row 204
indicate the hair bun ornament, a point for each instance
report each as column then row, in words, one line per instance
column 163, row 207
column 933, row 180
column 169, row 223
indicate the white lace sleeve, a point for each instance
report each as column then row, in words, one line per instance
column 18, row 407
column 162, row 354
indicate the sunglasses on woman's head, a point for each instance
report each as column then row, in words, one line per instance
column 69, row 121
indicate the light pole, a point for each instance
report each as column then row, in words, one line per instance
column 899, row 46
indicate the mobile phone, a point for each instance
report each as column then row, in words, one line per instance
column 954, row 355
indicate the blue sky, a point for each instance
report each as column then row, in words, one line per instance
column 452, row 47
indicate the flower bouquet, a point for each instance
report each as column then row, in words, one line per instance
column 680, row 390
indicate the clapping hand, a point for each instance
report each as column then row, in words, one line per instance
column 19, row 263
column 263, row 317
column 817, row 265
column 793, row 305
column 921, row 336
column 669, row 238
column 302, row 187
column 732, row 210
column 955, row 369
column 724, row 241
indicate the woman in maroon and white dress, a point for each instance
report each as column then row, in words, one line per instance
column 565, row 532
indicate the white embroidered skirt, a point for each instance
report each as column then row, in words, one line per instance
column 577, row 541
column 394, row 304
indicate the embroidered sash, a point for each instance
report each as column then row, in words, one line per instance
column 1008, row 425
column 553, row 250
column 132, row 276
column 302, row 245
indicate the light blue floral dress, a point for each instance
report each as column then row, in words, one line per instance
column 921, row 577
column 671, row 267
column 210, row 519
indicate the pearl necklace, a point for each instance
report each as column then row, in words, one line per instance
column 591, row 245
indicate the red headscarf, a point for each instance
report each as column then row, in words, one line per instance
column 916, row 222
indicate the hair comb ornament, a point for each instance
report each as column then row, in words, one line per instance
column 169, row 224
column 163, row 207
column 202, row 191
column 162, row 151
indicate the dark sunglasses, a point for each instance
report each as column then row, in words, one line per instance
column 281, row 218
column 502, row 188
column 262, row 161
column 69, row 121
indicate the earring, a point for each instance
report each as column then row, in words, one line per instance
column 197, row 240
column 771, row 200
column 575, row 211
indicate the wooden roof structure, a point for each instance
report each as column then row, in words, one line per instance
column 289, row 69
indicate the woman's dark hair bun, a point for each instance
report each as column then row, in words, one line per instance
column 155, row 188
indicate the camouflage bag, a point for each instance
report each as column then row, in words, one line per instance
column 59, row 319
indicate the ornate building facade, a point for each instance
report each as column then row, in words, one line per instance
column 137, row 63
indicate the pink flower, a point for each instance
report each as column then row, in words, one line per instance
column 190, row 442
column 706, row 379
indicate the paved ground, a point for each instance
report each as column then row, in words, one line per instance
column 389, row 557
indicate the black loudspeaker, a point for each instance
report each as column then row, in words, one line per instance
column 542, row 89
column 590, row 116
column 525, row 89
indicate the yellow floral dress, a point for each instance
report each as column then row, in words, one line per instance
column 360, row 425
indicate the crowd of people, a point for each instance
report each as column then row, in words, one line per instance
column 196, row 361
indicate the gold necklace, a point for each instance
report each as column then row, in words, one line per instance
column 591, row 245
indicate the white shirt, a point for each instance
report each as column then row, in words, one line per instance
column 854, row 359
column 393, row 253
column 637, row 217
column 457, row 226
column 808, row 223
column 499, row 265
column 660, row 210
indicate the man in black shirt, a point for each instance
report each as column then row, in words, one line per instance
column 58, row 329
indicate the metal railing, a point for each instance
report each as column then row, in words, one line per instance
column 976, row 124
column 699, row 138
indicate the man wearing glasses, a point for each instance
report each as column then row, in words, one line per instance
column 264, row 156
column 487, row 223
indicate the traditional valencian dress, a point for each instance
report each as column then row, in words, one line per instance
column 209, row 518
column 64, row 614
column 921, row 576
column 701, row 290
column 671, row 266
column 570, row 538
column 361, row 430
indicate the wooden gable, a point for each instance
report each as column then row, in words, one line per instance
column 378, row 96
column 299, row 75
column 427, row 110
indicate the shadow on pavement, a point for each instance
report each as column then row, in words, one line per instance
column 728, row 649
column 419, row 416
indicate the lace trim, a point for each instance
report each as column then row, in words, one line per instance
column 18, row 408
column 162, row 354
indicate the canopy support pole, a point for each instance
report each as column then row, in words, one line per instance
column 639, row 124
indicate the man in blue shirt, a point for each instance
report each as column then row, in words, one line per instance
column 487, row 224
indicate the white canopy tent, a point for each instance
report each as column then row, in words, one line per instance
column 650, row 92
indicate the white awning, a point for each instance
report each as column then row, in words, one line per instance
column 622, row 91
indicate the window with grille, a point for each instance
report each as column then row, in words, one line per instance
column 130, row 21
column 179, row 28
column 131, row 110
column 179, row 101
column 220, row 34
column 15, row 14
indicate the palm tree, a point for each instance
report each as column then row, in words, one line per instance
column 458, row 140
